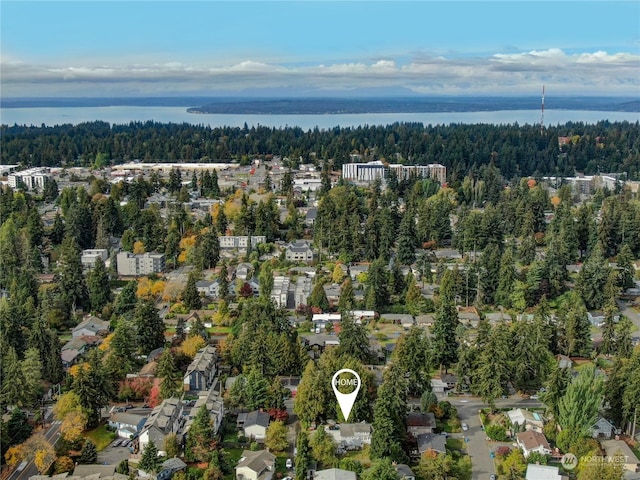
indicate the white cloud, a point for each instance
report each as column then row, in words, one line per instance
column 596, row 72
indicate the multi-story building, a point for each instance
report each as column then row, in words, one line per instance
column 89, row 257
column 32, row 179
column 363, row 172
column 280, row 291
column 131, row 264
column 240, row 241
column 370, row 171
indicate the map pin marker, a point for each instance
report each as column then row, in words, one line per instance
column 346, row 400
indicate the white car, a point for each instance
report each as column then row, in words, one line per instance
column 465, row 427
column 288, row 463
column 534, row 397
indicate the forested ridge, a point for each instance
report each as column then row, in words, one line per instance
column 516, row 150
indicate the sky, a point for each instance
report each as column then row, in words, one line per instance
column 318, row 48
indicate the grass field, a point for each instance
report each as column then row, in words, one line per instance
column 101, row 437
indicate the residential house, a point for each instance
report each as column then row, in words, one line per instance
column 93, row 471
column 542, row 472
column 127, row 425
column 280, row 291
column 468, row 316
column 332, row 291
column 530, row 420
column 291, row 384
column 497, row 318
column 202, row 370
column 334, row 474
column 259, row 465
column 425, row 320
column 212, row 400
column 404, row 319
column 301, row 291
column 89, row 257
column 532, row 441
column 361, row 316
column 166, row 418
column 170, row 467
column 255, row 425
column 310, row 216
column 619, row 447
column 603, row 428
column 299, row 251
column 76, row 347
column 208, row 288
column 404, row 472
column 351, row 436
column 438, row 385
column 320, row 320
column 420, row 422
column 243, row 270
column 450, row 380
column 564, row 361
column 431, row 441
column 355, row 270
column 597, row 318
column 90, row 326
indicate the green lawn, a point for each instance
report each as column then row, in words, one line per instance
column 455, row 444
column 234, row 456
column 101, row 437
column 361, row 455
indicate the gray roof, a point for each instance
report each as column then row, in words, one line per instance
column 101, row 470
column 92, row 323
column 128, row 419
column 334, row 474
column 160, row 417
column 204, row 360
column 257, row 461
column 431, row 441
column 257, row 417
column 404, row 470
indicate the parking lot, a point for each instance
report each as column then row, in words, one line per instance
column 113, row 455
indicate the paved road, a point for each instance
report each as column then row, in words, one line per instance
column 52, row 435
column 478, row 447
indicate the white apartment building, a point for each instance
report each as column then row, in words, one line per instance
column 33, row 178
column 370, row 171
column 240, row 241
column 363, row 172
column 280, row 291
column 131, row 264
column 89, row 257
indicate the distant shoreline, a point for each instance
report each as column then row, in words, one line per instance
column 333, row 106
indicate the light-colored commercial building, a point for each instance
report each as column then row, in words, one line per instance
column 370, row 171
column 32, row 179
column 131, row 264
column 89, row 257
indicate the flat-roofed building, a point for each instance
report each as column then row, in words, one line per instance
column 32, row 178
column 132, row 264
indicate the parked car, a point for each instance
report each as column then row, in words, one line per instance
column 289, row 463
column 465, row 427
column 116, row 443
column 533, row 397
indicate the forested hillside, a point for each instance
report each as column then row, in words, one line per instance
column 515, row 150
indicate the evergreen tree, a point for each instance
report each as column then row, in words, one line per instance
column 577, row 329
column 556, row 387
column 593, row 278
column 169, row 373
column 71, row 285
column 578, row 408
column 57, row 232
column 445, row 343
column 150, row 462
column 378, row 284
column 200, row 437
column 347, row 300
column 223, row 279
column 32, row 375
column 318, row 297
column 490, row 279
column 406, row 254
column 99, row 287
column 625, row 267
column 215, row 188
column 190, row 296
column 303, row 455
column 506, row 278
column 624, row 344
column 149, row 326
column 354, row 341
column 18, row 429
column 88, row 454
column 93, row 387
column 209, row 248
column 127, row 300
column 12, row 379
column 412, row 356
column 494, row 369
column 389, row 417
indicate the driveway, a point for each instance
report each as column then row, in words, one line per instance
column 478, row 447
